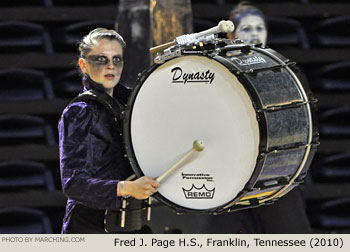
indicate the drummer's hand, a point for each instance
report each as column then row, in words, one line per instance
column 141, row 188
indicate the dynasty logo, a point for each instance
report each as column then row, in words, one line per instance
column 198, row 77
column 249, row 60
column 198, row 193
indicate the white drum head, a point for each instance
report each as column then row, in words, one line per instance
column 189, row 98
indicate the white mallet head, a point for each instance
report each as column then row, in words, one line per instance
column 198, row 145
column 226, row 26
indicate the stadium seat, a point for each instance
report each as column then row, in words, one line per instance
column 67, row 37
column 331, row 78
column 334, row 122
column 19, row 3
column 83, row 2
column 331, row 32
column 286, row 32
column 330, row 214
column 20, row 220
column 16, row 129
column 331, row 168
column 68, row 84
column 19, row 36
column 18, row 84
column 25, row 174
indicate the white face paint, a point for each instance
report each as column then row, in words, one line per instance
column 252, row 30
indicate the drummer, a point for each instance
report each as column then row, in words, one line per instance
column 92, row 159
column 250, row 24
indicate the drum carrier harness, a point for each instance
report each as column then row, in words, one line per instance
column 138, row 211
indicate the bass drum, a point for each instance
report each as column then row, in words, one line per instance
column 249, row 108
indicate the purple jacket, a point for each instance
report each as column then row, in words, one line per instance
column 92, row 156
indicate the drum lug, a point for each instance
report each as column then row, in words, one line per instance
column 261, row 156
column 245, row 49
column 255, row 189
column 291, row 64
column 167, row 55
column 299, row 180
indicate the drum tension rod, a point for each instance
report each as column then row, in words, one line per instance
column 297, row 147
column 277, row 107
column 124, row 204
column 276, row 68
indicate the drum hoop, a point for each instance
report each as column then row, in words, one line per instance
column 126, row 123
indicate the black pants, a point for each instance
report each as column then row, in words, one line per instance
column 86, row 220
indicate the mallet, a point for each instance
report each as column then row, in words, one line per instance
column 186, row 39
column 198, row 145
